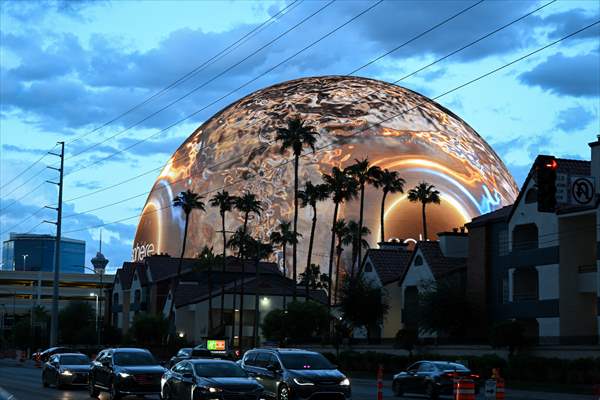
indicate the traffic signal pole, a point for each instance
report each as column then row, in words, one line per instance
column 58, row 223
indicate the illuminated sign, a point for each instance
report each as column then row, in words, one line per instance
column 141, row 251
column 215, row 345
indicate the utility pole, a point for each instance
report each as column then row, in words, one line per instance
column 58, row 223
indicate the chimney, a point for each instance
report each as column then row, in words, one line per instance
column 595, row 147
column 455, row 243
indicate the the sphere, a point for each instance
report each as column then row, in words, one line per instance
column 356, row 118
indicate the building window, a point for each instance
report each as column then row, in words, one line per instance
column 137, row 296
column 116, row 298
column 525, row 284
column 531, row 196
column 418, row 260
column 525, row 237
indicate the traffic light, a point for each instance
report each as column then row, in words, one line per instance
column 545, row 168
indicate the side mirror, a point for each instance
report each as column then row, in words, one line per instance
column 272, row 368
column 105, row 363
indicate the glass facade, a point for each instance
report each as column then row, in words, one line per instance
column 27, row 252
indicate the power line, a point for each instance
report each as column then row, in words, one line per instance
column 375, row 123
column 26, row 169
column 24, row 183
column 191, row 92
column 22, row 197
column 266, row 144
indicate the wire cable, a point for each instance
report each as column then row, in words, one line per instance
column 26, row 169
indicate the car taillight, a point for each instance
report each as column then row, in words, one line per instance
column 450, row 375
column 474, row 376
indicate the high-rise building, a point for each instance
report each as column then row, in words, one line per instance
column 31, row 252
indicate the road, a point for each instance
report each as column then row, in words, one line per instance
column 25, row 384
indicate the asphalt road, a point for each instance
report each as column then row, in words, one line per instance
column 25, row 384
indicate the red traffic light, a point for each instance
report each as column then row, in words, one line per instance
column 552, row 164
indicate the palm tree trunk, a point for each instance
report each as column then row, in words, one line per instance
column 331, row 250
column 424, row 222
column 175, row 281
column 360, row 225
column 243, row 256
column 295, row 244
column 310, row 249
column 284, row 275
column 256, row 305
column 222, row 321
column 337, row 271
column 382, row 236
column 210, row 300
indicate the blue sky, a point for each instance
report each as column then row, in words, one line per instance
column 67, row 67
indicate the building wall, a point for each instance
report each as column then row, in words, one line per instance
column 416, row 276
column 40, row 254
column 393, row 319
column 477, row 279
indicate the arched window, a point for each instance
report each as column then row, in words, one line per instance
column 418, row 260
column 525, row 237
column 116, row 298
column 531, row 196
column 525, row 284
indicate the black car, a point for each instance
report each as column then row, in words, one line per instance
column 203, row 379
column 46, row 354
column 296, row 374
column 125, row 371
column 182, row 354
column 431, row 378
column 66, row 369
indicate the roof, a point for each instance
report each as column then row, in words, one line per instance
column 389, row 264
column 125, row 274
column 497, row 215
column 439, row 264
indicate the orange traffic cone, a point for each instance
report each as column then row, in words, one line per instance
column 380, row 382
column 464, row 389
column 499, row 388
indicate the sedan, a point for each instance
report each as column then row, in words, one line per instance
column 431, row 378
column 66, row 369
column 182, row 354
column 43, row 356
column 203, row 379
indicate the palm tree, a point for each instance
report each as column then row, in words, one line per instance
column 389, row 182
column 342, row 232
column 424, row 193
column 342, row 187
column 283, row 237
column 296, row 135
column 357, row 240
column 188, row 201
column 310, row 196
column 239, row 240
column 207, row 260
column 246, row 204
column 365, row 174
column 224, row 201
column 258, row 250
column 314, row 279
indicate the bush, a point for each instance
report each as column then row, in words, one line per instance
column 509, row 334
column 77, row 324
column 302, row 323
column 406, row 339
column 149, row 329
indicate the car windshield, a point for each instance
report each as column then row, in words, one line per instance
column 219, row 370
column 448, row 366
column 75, row 360
column 305, row 361
column 133, row 358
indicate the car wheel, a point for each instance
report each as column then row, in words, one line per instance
column 397, row 389
column 92, row 389
column 284, row 393
column 431, row 391
column 166, row 393
column 57, row 382
column 114, row 392
column 44, row 381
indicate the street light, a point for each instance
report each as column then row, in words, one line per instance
column 101, row 293
column 25, row 261
column 96, row 296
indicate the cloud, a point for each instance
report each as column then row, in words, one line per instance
column 567, row 76
column 574, row 118
column 572, row 20
column 29, row 11
column 21, row 149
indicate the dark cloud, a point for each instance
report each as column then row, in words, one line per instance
column 572, row 20
column 30, row 11
column 569, row 76
column 22, row 149
column 574, row 118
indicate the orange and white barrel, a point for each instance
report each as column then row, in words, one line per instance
column 464, row 389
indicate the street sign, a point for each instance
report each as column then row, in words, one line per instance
column 582, row 189
column 490, row 389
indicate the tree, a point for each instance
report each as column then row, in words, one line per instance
column 246, row 204
column 225, row 202
column 207, row 260
column 313, row 279
column 362, row 304
column 188, row 201
column 77, row 323
column 444, row 308
column 283, row 237
column 424, row 193
column 296, row 135
column 258, row 251
column 342, row 232
column 364, row 173
column 509, row 334
column 342, row 188
column 357, row 240
column 149, row 329
column 389, row 182
column 300, row 323
column 310, row 196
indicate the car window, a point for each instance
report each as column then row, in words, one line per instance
column 274, row 361
column 250, row 358
column 305, row 361
column 74, row 360
column 414, row 367
column 184, row 352
column 131, row 358
column 262, row 359
column 53, row 359
column 219, row 370
column 426, row 367
column 186, row 367
column 449, row 366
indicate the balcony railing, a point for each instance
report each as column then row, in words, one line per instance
column 587, row 268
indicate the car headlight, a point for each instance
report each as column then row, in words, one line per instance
column 345, row 382
column 66, row 373
column 303, row 382
column 210, row 389
column 124, row 375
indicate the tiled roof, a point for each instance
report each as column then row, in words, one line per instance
column 163, row 267
column 574, row 167
column 499, row 214
column 439, row 263
column 125, row 274
column 389, row 264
